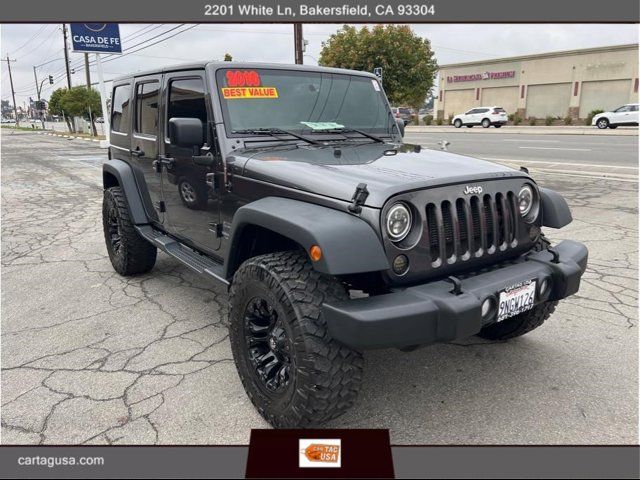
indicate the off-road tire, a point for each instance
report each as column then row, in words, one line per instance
column 199, row 195
column 326, row 375
column 520, row 324
column 457, row 123
column 135, row 255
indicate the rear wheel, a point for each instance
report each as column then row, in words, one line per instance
column 295, row 374
column 602, row 123
column 129, row 253
column 486, row 123
column 457, row 123
column 520, row 324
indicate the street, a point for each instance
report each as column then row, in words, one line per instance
column 599, row 155
column 89, row 357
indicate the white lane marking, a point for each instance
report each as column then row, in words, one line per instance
column 559, row 162
column 558, row 148
column 525, row 140
column 620, row 177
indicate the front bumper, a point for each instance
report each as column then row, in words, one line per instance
column 431, row 313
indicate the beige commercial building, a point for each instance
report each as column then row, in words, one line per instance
column 559, row 84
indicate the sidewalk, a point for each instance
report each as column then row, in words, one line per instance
column 525, row 129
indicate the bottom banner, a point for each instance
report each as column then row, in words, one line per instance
column 319, row 454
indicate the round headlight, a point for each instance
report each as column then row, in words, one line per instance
column 525, row 200
column 398, row 222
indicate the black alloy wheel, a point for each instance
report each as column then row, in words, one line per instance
column 268, row 345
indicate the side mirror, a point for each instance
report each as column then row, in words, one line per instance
column 186, row 132
column 400, row 124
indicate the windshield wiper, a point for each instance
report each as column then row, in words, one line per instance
column 276, row 131
column 355, row 130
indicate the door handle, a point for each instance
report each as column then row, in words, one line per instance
column 137, row 152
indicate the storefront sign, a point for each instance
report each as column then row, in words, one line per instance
column 481, row 76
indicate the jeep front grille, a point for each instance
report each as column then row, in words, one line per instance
column 471, row 227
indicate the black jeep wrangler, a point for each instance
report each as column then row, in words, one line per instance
column 291, row 186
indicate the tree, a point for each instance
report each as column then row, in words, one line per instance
column 82, row 102
column 407, row 61
column 56, row 108
column 228, row 57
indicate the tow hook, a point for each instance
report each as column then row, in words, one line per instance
column 556, row 255
column 457, row 285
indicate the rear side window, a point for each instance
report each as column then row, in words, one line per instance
column 498, row 110
column 120, row 108
column 633, row 108
column 147, row 108
column 482, row 110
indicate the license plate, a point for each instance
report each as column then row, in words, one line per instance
column 516, row 299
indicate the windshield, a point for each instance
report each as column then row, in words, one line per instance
column 300, row 101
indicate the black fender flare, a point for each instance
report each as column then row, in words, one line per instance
column 349, row 244
column 555, row 210
column 123, row 174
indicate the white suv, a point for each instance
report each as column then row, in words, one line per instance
column 485, row 116
column 625, row 115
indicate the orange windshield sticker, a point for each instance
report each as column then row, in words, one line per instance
column 317, row 452
column 230, row 93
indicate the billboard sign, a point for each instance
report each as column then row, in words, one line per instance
column 96, row 37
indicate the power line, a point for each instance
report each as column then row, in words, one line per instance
column 42, row 27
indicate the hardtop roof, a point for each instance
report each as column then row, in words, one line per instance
column 255, row 65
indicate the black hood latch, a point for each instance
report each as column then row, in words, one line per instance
column 359, row 197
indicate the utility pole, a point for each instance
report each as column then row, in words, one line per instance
column 38, row 91
column 86, row 70
column 13, row 94
column 298, row 42
column 66, row 55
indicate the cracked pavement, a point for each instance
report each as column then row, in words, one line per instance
column 89, row 357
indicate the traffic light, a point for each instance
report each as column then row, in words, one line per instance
column 50, row 79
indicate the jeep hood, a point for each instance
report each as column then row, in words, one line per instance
column 387, row 169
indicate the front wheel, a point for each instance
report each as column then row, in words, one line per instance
column 520, row 324
column 457, row 123
column 294, row 373
column 602, row 123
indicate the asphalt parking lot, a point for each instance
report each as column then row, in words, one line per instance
column 91, row 357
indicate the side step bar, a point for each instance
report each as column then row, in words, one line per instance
column 192, row 259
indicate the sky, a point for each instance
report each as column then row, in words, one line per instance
column 34, row 44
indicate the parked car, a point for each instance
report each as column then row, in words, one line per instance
column 404, row 113
column 485, row 116
column 7, row 120
column 296, row 211
column 626, row 115
column 99, row 120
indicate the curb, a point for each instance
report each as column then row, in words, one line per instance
column 620, row 132
column 70, row 137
